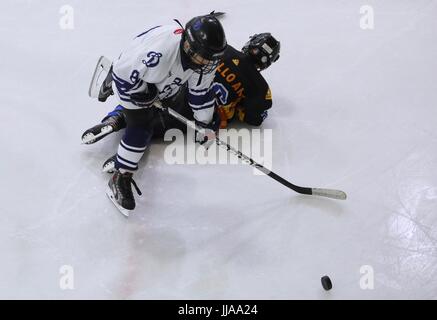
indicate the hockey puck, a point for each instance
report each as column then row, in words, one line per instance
column 326, row 283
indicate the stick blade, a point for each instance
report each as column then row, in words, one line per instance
column 329, row 193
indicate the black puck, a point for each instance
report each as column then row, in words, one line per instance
column 326, row 283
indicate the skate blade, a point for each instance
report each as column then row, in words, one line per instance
column 110, row 194
column 90, row 138
column 109, row 167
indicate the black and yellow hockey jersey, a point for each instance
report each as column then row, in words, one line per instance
column 241, row 90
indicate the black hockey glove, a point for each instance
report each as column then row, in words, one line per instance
column 146, row 98
column 254, row 119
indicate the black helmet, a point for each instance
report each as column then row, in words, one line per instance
column 206, row 41
column 263, row 49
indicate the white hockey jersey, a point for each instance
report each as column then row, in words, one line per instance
column 154, row 57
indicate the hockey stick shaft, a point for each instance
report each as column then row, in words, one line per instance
column 329, row 193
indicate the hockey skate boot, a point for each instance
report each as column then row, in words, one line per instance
column 101, row 130
column 106, row 88
column 120, row 191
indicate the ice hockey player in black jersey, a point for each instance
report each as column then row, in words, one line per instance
column 241, row 90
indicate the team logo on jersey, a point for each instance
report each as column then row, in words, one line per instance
column 153, row 60
column 170, row 89
column 236, row 61
column 197, row 25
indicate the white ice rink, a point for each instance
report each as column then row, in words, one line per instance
column 353, row 109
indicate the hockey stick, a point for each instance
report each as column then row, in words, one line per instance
column 329, row 193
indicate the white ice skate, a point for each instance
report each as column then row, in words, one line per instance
column 100, row 73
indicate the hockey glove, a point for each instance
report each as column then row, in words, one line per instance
column 254, row 119
column 146, row 98
column 207, row 135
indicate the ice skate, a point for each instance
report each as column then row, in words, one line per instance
column 101, row 130
column 120, row 191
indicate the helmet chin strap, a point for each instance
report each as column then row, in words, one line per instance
column 186, row 59
column 200, row 78
column 187, row 62
column 197, row 67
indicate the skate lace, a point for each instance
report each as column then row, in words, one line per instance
column 136, row 187
column 127, row 181
column 115, row 122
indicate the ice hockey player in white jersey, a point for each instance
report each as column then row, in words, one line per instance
column 155, row 65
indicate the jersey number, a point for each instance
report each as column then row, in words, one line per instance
column 134, row 77
column 221, row 93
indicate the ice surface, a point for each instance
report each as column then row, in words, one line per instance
column 353, row 109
